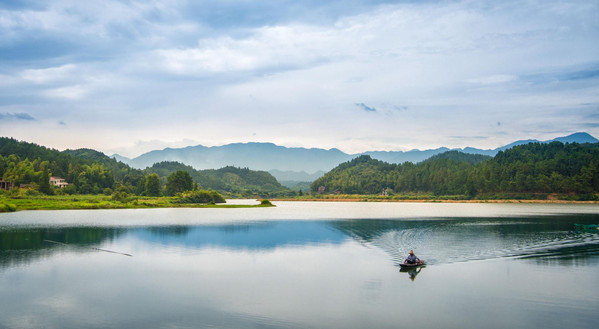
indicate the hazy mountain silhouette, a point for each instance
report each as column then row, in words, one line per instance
column 257, row 156
column 288, row 163
column 295, row 176
column 120, row 158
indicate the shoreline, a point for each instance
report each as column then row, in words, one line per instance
column 83, row 202
column 103, row 202
column 109, row 207
column 437, row 201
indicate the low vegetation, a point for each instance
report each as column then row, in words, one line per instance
column 201, row 196
column 192, row 199
column 7, row 207
column 265, row 202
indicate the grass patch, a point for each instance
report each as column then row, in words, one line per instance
column 57, row 202
column 7, row 207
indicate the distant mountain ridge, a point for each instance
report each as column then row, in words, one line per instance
column 295, row 176
column 285, row 162
column 256, row 156
column 120, row 158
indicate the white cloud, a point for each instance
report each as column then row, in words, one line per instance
column 494, row 79
column 68, row 92
column 46, row 75
column 151, row 71
column 99, row 23
column 279, row 47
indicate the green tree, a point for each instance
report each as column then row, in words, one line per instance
column 121, row 194
column 152, row 185
column 179, row 181
column 44, row 182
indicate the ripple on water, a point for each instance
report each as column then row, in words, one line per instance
column 451, row 241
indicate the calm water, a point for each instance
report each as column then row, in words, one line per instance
column 302, row 265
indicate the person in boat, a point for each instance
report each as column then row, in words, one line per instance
column 412, row 259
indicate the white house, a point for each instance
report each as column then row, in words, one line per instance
column 58, row 182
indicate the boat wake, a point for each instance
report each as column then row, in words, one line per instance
column 451, row 241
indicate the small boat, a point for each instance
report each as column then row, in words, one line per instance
column 408, row 265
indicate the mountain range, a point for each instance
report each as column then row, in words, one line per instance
column 302, row 164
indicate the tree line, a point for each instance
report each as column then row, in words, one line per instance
column 535, row 168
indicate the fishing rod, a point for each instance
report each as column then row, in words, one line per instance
column 99, row 249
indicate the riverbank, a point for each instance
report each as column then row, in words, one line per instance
column 361, row 198
column 105, row 202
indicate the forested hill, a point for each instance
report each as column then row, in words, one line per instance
column 121, row 171
column 532, row 168
column 230, row 179
column 31, row 164
column 460, row 157
column 91, row 172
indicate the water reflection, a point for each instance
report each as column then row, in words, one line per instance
column 255, row 235
column 303, row 274
column 412, row 271
column 544, row 239
column 18, row 246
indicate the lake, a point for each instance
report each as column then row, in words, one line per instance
column 302, row 265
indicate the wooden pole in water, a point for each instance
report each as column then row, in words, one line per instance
column 99, row 249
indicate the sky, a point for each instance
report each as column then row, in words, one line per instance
column 131, row 76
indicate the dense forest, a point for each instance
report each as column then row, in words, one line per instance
column 535, row 168
column 29, row 164
column 91, row 172
column 233, row 180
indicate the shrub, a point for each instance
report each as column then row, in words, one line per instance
column 7, row 207
column 69, row 189
column 201, row 196
column 29, row 192
column 265, row 202
column 579, row 197
column 121, row 196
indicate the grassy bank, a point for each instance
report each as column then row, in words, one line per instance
column 64, row 202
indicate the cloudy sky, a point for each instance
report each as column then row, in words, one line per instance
column 131, row 76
